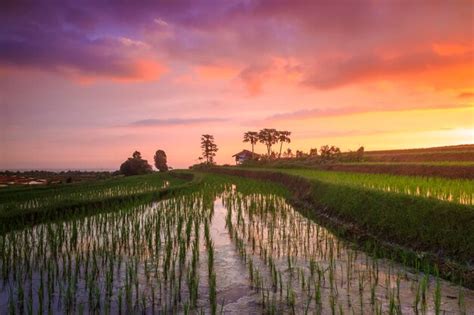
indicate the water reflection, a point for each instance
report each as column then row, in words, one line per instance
column 160, row 257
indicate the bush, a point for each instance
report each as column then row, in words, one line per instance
column 135, row 165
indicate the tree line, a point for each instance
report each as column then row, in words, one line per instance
column 269, row 137
column 136, row 165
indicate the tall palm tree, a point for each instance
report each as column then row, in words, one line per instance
column 283, row 136
column 252, row 137
column 268, row 137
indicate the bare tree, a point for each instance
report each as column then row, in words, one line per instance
column 209, row 148
column 252, row 137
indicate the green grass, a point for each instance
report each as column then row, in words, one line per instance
column 459, row 191
column 437, row 227
column 21, row 200
column 138, row 255
column 151, row 257
column 434, row 163
column 423, row 224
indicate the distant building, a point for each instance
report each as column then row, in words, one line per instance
column 244, row 155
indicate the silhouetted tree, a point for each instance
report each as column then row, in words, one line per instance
column 360, row 154
column 313, row 152
column 300, row 154
column 252, row 137
column 268, row 137
column 135, row 165
column 288, row 153
column 328, row 153
column 283, row 136
column 209, row 148
column 160, row 161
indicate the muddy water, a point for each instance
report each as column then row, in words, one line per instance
column 267, row 258
column 232, row 277
column 321, row 272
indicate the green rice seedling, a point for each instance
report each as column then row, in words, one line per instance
column 456, row 190
column 135, row 258
column 461, row 302
column 437, row 297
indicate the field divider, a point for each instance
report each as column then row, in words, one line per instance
column 420, row 232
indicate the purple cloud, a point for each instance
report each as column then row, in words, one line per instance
column 87, row 39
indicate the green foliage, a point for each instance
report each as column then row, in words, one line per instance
column 135, row 165
column 209, row 148
column 252, row 137
column 329, row 152
column 161, row 161
column 268, row 137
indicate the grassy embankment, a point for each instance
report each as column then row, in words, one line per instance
column 455, row 153
column 408, row 212
column 445, row 169
column 21, row 205
column 447, row 162
column 459, row 191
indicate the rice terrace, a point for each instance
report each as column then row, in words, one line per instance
column 237, row 157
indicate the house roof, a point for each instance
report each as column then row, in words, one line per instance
column 245, row 152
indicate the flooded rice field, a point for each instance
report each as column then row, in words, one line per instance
column 212, row 251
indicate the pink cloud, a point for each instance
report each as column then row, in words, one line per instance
column 362, row 68
column 216, row 71
column 352, row 110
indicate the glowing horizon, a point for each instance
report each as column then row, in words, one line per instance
column 83, row 86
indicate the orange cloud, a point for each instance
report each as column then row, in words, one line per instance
column 425, row 68
column 216, row 72
column 277, row 70
column 253, row 77
column 466, row 95
column 447, row 49
column 140, row 71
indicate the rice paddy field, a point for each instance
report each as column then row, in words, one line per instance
column 224, row 244
column 452, row 162
column 453, row 190
column 23, row 200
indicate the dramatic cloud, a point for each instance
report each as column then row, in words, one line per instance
column 66, row 45
column 65, row 69
column 370, row 40
column 372, row 67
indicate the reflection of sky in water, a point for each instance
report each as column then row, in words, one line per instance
column 134, row 241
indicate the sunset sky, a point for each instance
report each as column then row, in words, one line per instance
column 83, row 86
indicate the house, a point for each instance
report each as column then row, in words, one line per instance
column 244, row 155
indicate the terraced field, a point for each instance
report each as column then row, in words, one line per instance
column 220, row 245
